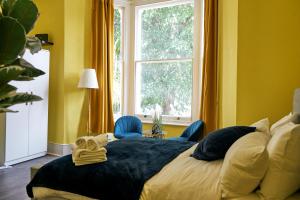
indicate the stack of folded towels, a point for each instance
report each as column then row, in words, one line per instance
column 89, row 150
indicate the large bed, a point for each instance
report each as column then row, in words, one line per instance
column 182, row 177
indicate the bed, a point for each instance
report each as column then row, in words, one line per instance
column 168, row 182
column 183, row 177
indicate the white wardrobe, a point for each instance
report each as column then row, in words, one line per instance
column 23, row 135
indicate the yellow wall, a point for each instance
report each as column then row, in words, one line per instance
column 171, row 130
column 268, row 58
column 65, row 22
column 268, row 61
column 228, row 27
column 51, row 22
column 75, row 114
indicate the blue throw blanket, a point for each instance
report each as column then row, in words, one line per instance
column 131, row 162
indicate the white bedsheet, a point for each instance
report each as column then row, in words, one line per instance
column 254, row 196
column 50, row 194
column 185, row 178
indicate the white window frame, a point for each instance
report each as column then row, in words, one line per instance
column 128, row 92
column 121, row 7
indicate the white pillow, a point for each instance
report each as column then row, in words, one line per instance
column 283, row 175
column 282, row 121
column 296, row 118
column 262, row 125
column 244, row 165
column 291, row 117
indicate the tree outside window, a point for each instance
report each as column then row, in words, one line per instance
column 118, row 62
column 164, row 62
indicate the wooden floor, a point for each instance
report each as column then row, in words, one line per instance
column 13, row 180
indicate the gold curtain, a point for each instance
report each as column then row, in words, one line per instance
column 209, row 107
column 101, row 114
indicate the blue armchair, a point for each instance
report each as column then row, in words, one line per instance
column 191, row 133
column 128, row 126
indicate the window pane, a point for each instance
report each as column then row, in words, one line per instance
column 117, row 73
column 165, row 33
column 117, row 34
column 117, row 90
column 167, row 84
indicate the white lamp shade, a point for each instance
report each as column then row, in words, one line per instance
column 88, row 79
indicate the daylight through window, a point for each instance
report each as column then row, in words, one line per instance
column 163, row 59
column 118, row 62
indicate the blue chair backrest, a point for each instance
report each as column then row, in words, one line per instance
column 127, row 124
column 194, row 131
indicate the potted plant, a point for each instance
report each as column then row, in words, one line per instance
column 157, row 122
column 17, row 18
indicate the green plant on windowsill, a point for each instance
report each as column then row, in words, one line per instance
column 17, row 18
column 157, row 124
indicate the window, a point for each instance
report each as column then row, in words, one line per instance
column 164, row 59
column 157, row 60
column 118, row 62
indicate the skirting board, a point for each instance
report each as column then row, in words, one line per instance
column 59, row 149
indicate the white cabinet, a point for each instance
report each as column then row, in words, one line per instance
column 23, row 135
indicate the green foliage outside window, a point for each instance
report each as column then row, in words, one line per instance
column 117, row 63
column 167, row 33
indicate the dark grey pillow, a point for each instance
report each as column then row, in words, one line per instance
column 215, row 145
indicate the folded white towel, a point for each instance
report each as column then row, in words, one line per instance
column 86, row 161
column 81, row 143
column 96, row 160
column 73, row 147
column 84, row 156
column 88, row 150
column 94, row 143
column 90, row 158
column 82, row 153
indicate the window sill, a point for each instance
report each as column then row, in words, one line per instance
column 169, row 123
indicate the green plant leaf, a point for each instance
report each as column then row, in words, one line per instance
column 29, row 69
column 5, row 110
column 26, row 12
column 7, row 5
column 1, row 13
column 9, row 73
column 24, row 78
column 12, row 40
column 19, row 98
column 33, row 44
column 7, row 91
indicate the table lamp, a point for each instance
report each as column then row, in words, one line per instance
column 88, row 80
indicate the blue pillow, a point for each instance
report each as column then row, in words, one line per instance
column 215, row 145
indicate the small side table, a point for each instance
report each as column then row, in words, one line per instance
column 148, row 134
